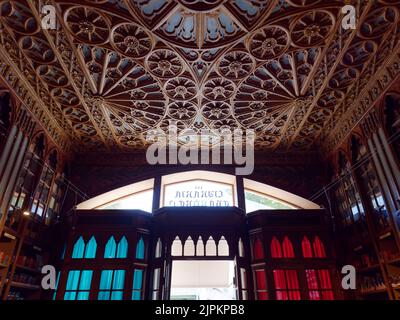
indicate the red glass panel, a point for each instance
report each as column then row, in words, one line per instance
column 262, row 295
column 286, row 285
column 282, row 295
column 327, row 295
column 279, row 279
column 258, row 251
column 324, row 279
column 292, row 280
column 312, row 281
column 314, row 295
column 306, row 248
column 276, row 250
column 319, row 249
column 261, row 280
column 288, row 251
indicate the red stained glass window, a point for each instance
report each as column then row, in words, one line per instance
column 276, row 249
column 306, row 248
column 319, row 284
column 319, row 249
column 258, row 250
column 261, row 285
column 288, row 251
column 286, row 285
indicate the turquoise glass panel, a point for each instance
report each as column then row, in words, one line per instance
column 104, row 295
column 105, row 280
column 119, row 278
column 91, row 248
column 122, row 248
column 86, row 279
column 70, row 295
column 111, row 248
column 140, row 249
column 136, row 295
column 57, row 281
column 79, row 248
column 73, row 280
column 116, row 295
column 83, row 296
column 137, row 279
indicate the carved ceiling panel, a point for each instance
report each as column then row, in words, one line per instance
column 114, row 69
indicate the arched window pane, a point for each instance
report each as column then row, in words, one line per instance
column 258, row 250
column 241, row 248
column 276, row 249
column 200, row 247
column 288, row 251
column 158, row 248
column 140, row 249
column 256, row 201
column 211, row 248
column 91, row 248
column 188, row 249
column 176, row 248
column 79, row 249
column 111, row 248
column 306, row 248
column 122, row 251
column 223, row 247
column 319, row 249
column 139, row 201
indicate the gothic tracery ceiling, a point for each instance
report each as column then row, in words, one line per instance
column 114, row 69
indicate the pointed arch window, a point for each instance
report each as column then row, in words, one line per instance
column 111, row 248
column 211, row 247
column 306, row 248
column 122, row 250
column 158, row 251
column 287, row 247
column 176, row 247
column 140, row 248
column 241, row 248
column 91, row 248
column 276, row 249
column 258, row 249
column 79, row 249
column 223, row 247
column 188, row 249
column 200, row 247
column 319, row 248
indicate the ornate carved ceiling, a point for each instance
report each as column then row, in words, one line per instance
column 113, row 69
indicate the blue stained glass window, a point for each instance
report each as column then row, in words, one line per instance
column 137, row 284
column 57, row 281
column 111, row 285
column 111, row 248
column 79, row 249
column 78, row 285
column 63, row 252
column 122, row 251
column 91, row 248
column 140, row 249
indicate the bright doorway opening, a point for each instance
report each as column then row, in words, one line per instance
column 203, row 280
